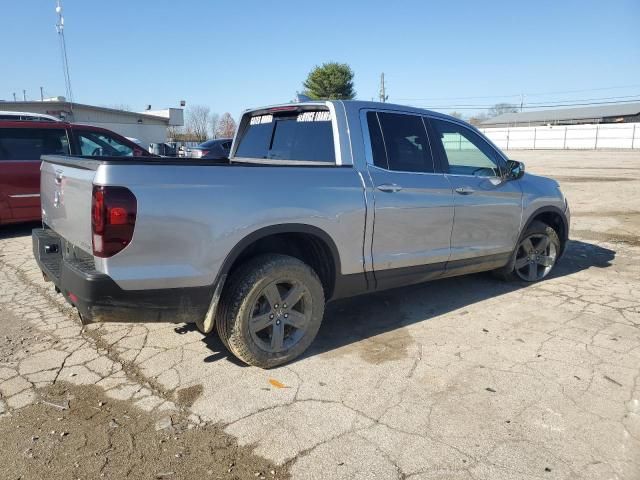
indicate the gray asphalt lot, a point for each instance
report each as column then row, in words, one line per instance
column 463, row 378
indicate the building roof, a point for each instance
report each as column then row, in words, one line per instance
column 596, row 112
column 26, row 105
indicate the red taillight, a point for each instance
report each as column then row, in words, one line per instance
column 113, row 218
column 118, row 216
column 204, row 153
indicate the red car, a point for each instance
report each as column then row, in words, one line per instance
column 24, row 139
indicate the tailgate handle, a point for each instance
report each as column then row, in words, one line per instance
column 465, row 190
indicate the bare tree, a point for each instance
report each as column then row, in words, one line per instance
column 198, row 121
column 478, row 119
column 214, row 119
column 456, row 114
column 226, row 127
column 500, row 108
column 174, row 131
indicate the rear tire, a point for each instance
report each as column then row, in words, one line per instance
column 535, row 255
column 271, row 310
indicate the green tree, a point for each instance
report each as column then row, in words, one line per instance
column 330, row 81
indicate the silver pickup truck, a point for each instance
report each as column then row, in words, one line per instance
column 318, row 201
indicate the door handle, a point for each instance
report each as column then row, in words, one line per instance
column 465, row 190
column 389, row 187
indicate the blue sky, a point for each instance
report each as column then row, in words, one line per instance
column 239, row 54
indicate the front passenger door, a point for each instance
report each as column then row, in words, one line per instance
column 488, row 208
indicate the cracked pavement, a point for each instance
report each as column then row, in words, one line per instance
column 463, row 378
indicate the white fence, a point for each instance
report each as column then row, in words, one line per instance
column 567, row 137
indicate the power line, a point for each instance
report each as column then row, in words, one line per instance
column 480, row 107
column 583, row 101
column 517, row 95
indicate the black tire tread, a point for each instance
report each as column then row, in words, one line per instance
column 233, row 297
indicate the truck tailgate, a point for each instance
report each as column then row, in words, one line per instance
column 66, row 186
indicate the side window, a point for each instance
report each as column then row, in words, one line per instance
column 404, row 142
column 100, row 144
column 55, row 142
column 465, row 151
column 31, row 143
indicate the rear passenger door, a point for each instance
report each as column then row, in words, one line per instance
column 488, row 208
column 413, row 202
column 20, row 151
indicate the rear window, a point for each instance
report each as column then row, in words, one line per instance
column 31, row 143
column 299, row 136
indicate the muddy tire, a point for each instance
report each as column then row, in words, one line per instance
column 271, row 310
column 535, row 256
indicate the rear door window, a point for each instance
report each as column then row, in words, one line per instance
column 31, row 143
column 399, row 142
column 289, row 136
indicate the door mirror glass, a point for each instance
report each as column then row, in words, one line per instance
column 515, row 169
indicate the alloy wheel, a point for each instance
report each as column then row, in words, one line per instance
column 535, row 257
column 280, row 315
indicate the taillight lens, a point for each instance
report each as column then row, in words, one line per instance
column 113, row 218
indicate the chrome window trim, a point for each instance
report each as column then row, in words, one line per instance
column 25, row 195
column 470, row 176
column 404, row 171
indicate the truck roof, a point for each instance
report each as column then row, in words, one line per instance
column 352, row 105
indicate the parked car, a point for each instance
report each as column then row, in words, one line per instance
column 138, row 142
column 9, row 115
column 320, row 200
column 213, row 149
column 25, row 137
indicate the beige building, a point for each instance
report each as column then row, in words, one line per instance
column 148, row 127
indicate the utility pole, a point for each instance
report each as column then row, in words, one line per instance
column 383, row 93
column 14, row 97
column 63, row 51
column 24, row 95
column 41, row 95
column 521, row 101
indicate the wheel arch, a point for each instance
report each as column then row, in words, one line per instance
column 306, row 242
column 555, row 218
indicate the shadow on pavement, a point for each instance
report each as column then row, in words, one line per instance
column 18, row 230
column 352, row 320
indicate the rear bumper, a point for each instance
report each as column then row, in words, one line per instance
column 99, row 299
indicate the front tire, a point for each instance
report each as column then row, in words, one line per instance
column 271, row 310
column 535, row 256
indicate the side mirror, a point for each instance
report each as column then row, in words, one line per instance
column 515, row 170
